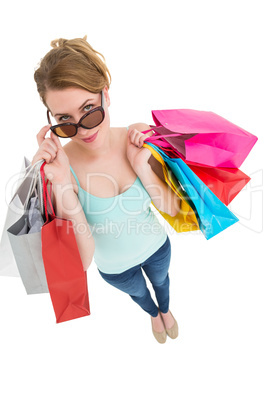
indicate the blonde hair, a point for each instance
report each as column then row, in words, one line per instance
column 72, row 63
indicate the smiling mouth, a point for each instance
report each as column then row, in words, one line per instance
column 90, row 138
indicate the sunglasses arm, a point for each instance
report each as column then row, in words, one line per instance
column 48, row 117
column 102, row 99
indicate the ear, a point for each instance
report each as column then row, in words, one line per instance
column 106, row 95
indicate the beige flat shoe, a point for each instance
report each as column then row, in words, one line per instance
column 173, row 332
column 161, row 337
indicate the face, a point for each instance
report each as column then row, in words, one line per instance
column 70, row 104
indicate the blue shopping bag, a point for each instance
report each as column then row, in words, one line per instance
column 213, row 216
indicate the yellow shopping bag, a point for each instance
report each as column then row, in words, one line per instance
column 185, row 220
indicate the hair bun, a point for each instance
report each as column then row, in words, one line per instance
column 58, row 43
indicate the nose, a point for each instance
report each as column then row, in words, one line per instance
column 83, row 132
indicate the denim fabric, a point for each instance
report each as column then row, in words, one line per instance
column 133, row 282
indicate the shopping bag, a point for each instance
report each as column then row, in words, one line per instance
column 25, row 239
column 186, row 220
column 27, row 183
column 225, row 183
column 204, row 137
column 66, row 278
column 213, row 216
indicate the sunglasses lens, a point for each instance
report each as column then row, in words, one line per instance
column 93, row 119
column 65, row 131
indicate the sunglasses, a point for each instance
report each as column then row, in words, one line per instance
column 90, row 120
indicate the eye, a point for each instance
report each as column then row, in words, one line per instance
column 64, row 118
column 88, row 108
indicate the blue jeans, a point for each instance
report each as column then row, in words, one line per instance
column 133, row 282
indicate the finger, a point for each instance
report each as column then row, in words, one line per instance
column 137, row 138
column 42, row 133
column 129, row 133
column 142, row 138
column 50, row 146
column 56, row 140
column 134, row 137
column 48, row 157
column 52, row 150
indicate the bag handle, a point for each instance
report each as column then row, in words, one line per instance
column 156, row 137
column 165, row 135
column 38, row 183
column 162, row 144
column 45, row 192
column 31, row 174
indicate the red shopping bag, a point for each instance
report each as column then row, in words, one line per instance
column 66, row 278
column 225, row 183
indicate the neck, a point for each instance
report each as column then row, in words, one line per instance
column 103, row 150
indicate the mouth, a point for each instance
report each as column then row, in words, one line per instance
column 91, row 138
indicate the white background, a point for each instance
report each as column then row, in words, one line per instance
column 206, row 55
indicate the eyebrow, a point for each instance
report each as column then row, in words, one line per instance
column 81, row 107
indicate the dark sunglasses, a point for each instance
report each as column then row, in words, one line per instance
column 90, row 120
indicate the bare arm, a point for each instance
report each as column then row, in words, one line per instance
column 65, row 200
column 161, row 194
column 150, row 171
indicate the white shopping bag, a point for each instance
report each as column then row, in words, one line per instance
column 30, row 182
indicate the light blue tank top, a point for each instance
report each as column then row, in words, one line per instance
column 125, row 229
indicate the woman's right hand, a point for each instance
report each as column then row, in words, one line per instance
column 57, row 168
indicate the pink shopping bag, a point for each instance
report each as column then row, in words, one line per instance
column 203, row 137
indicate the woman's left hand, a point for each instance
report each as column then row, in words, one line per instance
column 138, row 155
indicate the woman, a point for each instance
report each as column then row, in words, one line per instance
column 104, row 180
